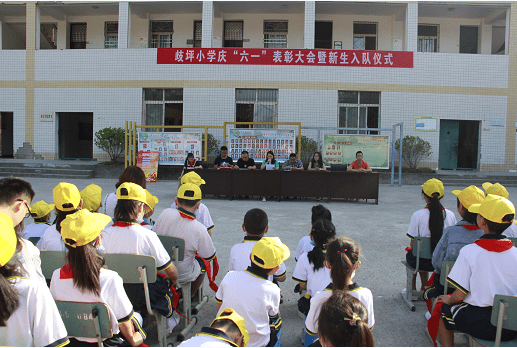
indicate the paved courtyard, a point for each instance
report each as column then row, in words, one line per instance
column 379, row 229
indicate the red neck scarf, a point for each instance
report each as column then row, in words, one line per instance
column 186, row 214
column 66, row 272
column 471, row 227
column 495, row 245
column 123, row 224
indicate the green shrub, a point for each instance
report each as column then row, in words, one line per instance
column 309, row 147
column 213, row 143
column 111, row 140
column 413, row 150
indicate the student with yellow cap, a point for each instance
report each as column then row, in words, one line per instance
column 28, row 313
column 227, row 330
column 499, row 190
column 132, row 174
column 253, row 296
column 67, row 199
column 40, row 212
column 92, row 198
column 456, row 237
column 428, row 222
column 482, row 270
column 151, row 201
column 83, row 279
column 126, row 236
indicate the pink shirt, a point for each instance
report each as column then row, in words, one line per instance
column 355, row 165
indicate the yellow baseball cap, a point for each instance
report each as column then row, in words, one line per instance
column 92, row 197
column 470, row 195
column 495, row 189
column 493, row 208
column 231, row 314
column 433, row 186
column 269, row 252
column 189, row 191
column 66, row 196
column 82, row 227
column 192, row 178
column 41, row 209
column 8, row 239
column 151, row 200
column 129, row 190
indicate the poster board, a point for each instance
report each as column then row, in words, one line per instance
column 341, row 149
column 148, row 161
column 172, row 147
column 259, row 141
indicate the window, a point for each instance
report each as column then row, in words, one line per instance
column 275, row 34
column 358, row 110
column 163, row 107
column 428, row 38
column 233, row 33
column 256, row 105
column 161, row 34
column 77, row 35
column 198, row 33
column 365, row 36
column 111, row 35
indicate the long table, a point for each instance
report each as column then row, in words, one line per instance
column 324, row 184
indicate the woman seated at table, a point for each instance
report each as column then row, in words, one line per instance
column 190, row 163
column 316, row 163
column 270, row 163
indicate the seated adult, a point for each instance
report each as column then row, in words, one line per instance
column 190, row 163
column 245, row 162
column 223, row 161
column 359, row 165
column 316, row 163
column 270, row 163
column 293, row 163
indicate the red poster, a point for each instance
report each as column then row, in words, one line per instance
column 148, row 161
column 283, row 56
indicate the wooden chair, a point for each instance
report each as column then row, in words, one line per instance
column 50, row 261
column 504, row 316
column 421, row 249
column 89, row 320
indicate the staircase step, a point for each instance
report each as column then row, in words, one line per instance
column 63, row 175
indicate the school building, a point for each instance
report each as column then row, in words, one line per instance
column 448, row 71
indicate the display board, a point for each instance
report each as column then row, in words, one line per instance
column 173, row 147
column 259, row 141
column 148, row 161
column 341, row 149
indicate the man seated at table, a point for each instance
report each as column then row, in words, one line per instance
column 223, row 161
column 245, row 162
column 359, row 165
column 293, row 163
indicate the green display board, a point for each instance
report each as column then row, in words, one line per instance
column 341, row 149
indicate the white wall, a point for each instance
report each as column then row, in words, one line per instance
column 449, row 37
column 12, row 65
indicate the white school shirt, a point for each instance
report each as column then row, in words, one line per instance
column 112, row 294
column 52, row 240
column 202, row 215
column 482, row 274
column 137, row 240
column 240, row 257
column 36, row 322
column 362, row 294
column 197, row 240
column 511, row 232
column 255, row 299
column 36, row 229
column 315, row 280
column 109, row 204
column 209, row 337
column 419, row 224
column 30, row 260
column 304, row 246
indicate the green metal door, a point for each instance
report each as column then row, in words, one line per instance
column 449, row 135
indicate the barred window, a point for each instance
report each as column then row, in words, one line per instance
column 233, row 33
column 428, row 37
column 365, row 36
column 275, row 34
column 161, row 34
column 358, row 110
column 198, row 33
column 111, row 35
column 163, row 107
column 256, row 105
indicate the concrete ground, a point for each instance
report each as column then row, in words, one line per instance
column 379, row 229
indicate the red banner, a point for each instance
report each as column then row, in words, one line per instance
column 273, row 56
column 148, row 162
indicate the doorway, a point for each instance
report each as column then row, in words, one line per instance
column 323, row 35
column 459, row 144
column 468, row 39
column 75, row 135
column 6, row 134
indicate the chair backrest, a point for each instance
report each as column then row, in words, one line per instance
column 424, row 245
column 127, row 266
column 170, row 243
column 89, row 320
column 52, row 260
column 514, row 241
column 509, row 318
column 34, row 240
column 444, row 272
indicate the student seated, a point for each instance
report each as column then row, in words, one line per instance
column 227, row 330
column 40, row 212
column 306, row 244
column 151, row 201
column 499, row 190
column 132, row 174
column 253, row 296
column 83, row 279
column 92, row 198
column 481, row 271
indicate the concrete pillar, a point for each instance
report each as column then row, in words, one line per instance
column 123, row 24
column 62, row 34
column 207, row 31
column 310, row 24
column 1, row 24
column 411, row 27
column 486, row 39
column 507, row 32
column 38, row 27
column 31, row 23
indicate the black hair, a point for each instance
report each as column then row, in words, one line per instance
column 471, row 218
column 337, row 325
column 244, row 152
column 319, row 162
column 257, row 267
column 437, row 216
column 342, row 255
column 224, row 148
column 86, row 263
column 188, row 202
column 323, row 232
column 190, row 155
column 228, row 326
column 12, row 188
column 126, row 210
column 498, row 227
column 358, row 152
column 255, row 221
column 292, row 155
column 132, row 174
column 273, row 161
column 61, row 215
column 320, row 212
column 8, row 294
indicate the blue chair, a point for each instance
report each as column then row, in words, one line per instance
column 50, row 261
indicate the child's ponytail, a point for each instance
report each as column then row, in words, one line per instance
column 342, row 255
column 436, row 219
column 8, row 295
column 323, row 232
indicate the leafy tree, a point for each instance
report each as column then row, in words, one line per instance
column 413, row 150
column 212, row 145
column 309, row 147
column 111, row 140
